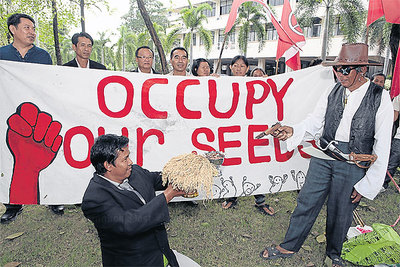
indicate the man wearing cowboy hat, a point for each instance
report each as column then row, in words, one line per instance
column 356, row 116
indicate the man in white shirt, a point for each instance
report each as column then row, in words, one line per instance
column 356, row 114
column 179, row 61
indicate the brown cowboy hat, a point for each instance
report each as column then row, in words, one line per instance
column 352, row 54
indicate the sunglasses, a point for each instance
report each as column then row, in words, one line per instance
column 344, row 70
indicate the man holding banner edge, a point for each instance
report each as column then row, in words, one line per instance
column 357, row 115
column 22, row 49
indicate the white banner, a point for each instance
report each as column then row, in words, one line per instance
column 163, row 116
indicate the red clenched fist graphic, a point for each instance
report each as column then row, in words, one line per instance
column 33, row 139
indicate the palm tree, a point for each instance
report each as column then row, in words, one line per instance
column 379, row 35
column 125, row 47
column 66, row 51
column 100, row 48
column 251, row 16
column 351, row 13
column 169, row 40
column 193, row 19
column 87, row 4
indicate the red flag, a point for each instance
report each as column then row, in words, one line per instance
column 395, row 90
column 387, row 8
column 294, row 62
column 290, row 51
column 233, row 14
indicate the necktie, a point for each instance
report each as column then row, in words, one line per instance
column 126, row 186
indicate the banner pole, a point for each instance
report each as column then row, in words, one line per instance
column 276, row 67
column 220, row 54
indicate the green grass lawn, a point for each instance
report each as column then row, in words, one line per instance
column 206, row 233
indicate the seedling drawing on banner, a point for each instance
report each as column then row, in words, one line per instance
column 248, row 187
column 228, row 186
column 300, row 178
column 33, row 139
column 277, row 183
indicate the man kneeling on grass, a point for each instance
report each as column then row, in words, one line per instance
column 121, row 202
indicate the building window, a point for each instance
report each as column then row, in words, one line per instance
column 231, row 37
column 221, row 36
column 272, row 34
column 314, row 30
column 275, row 2
column 225, row 7
column 252, row 34
column 229, row 41
column 210, row 13
column 337, row 30
column 194, row 39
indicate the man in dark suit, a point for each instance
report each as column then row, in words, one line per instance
column 82, row 44
column 144, row 59
column 121, row 202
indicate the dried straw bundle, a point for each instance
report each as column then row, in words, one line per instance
column 190, row 172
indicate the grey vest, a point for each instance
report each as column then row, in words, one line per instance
column 362, row 129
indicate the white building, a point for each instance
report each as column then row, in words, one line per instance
column 217, row 19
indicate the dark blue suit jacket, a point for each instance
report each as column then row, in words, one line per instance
column 131, row 233
column 92, row 64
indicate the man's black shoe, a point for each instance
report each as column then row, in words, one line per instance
column 57, row 209
column 10, row 215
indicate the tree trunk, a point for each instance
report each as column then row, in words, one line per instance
column 55, row 32
column 153, row 35
column 123, row 56
column 191, row 49
column 325, row 35
column 394, row 43
column 82, row 4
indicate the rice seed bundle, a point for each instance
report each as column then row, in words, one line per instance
column 190, row 172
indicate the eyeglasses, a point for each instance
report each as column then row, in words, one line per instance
column 344, row 70
column 143, row 57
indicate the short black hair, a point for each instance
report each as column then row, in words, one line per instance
column 196, row 64
column 178, row 48
column 15, row 19
column 254, row 70
column 75, row 37
column 378, row 74
column 246, row 62
column 233, row 61
column 143, row 47
column 106, row 148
